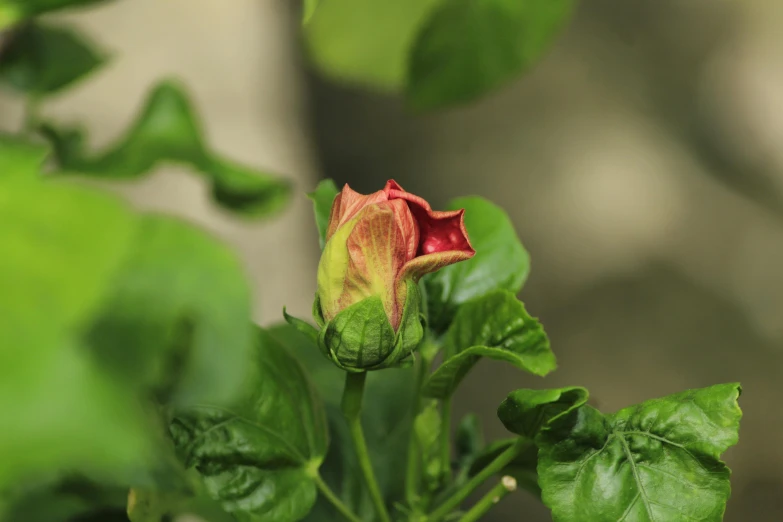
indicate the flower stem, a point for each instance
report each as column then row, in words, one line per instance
column 494, row 467
column 352, row 408
column 506, row 485
column 329, row 495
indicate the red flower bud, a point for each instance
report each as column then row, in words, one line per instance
column 376, row 244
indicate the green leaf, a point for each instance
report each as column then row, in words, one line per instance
column 259, row 455
column 500, row 263
column 469, row 439
column 43, row 59
column 527, row 412
column 323, row 197
column 20, row 157
column 178, row 316
column 61, row 248
column 14, row 11
column 168, row 131
column 386, row 417
column 365, row 41
column 466, row 49
column 427, row 427
column 496, row 326
column 522, row 468
column 656, row 461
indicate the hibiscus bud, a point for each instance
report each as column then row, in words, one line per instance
column 377, row 248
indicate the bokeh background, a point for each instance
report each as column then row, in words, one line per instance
column 641, row 162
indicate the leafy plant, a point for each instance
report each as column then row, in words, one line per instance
column 134, row 385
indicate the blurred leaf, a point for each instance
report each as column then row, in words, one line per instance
column 162, row 506
column 467, row 48
column 323, row 197
column 496, row 326
column 61, row 247
column 20, row 157
column 178, row 318
column 365, row 41
column 43, row 59
column 500, row 263
column 658, row 460
column 14, row 11
column 386, row 418
column 522, row 468
column 309, row 9
column 70, row 499
column 259, row 455
column 167, row 130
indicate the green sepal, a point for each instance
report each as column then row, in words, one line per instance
column 302, row 326
column 361, row 338
column 317, row 314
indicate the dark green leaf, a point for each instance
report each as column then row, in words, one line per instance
column 179, row 315
column 494, row 326
column 168, row 130
column 323, row 197
column 469, row 439
column 61, row 248
column 467, row 48
column 14, row 11
column 656, row 461
column 522, row 468
column 43, row 59
column 365, row 41
column 500, row 263
column 526, row 412
column 20, row 157
column 259, row 455
column 386, row 417
column 67, row 500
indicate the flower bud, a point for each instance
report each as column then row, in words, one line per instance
column 377, row 247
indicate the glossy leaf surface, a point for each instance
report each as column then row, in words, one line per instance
column 258, row 456
column 653, row 462
column 495, row 326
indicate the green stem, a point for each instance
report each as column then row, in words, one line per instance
column 329, row 495
column 445, row 439
column 504, row 487
column 494, row 467
column 352, row 408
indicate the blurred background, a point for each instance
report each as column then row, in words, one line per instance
column 641, row 161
